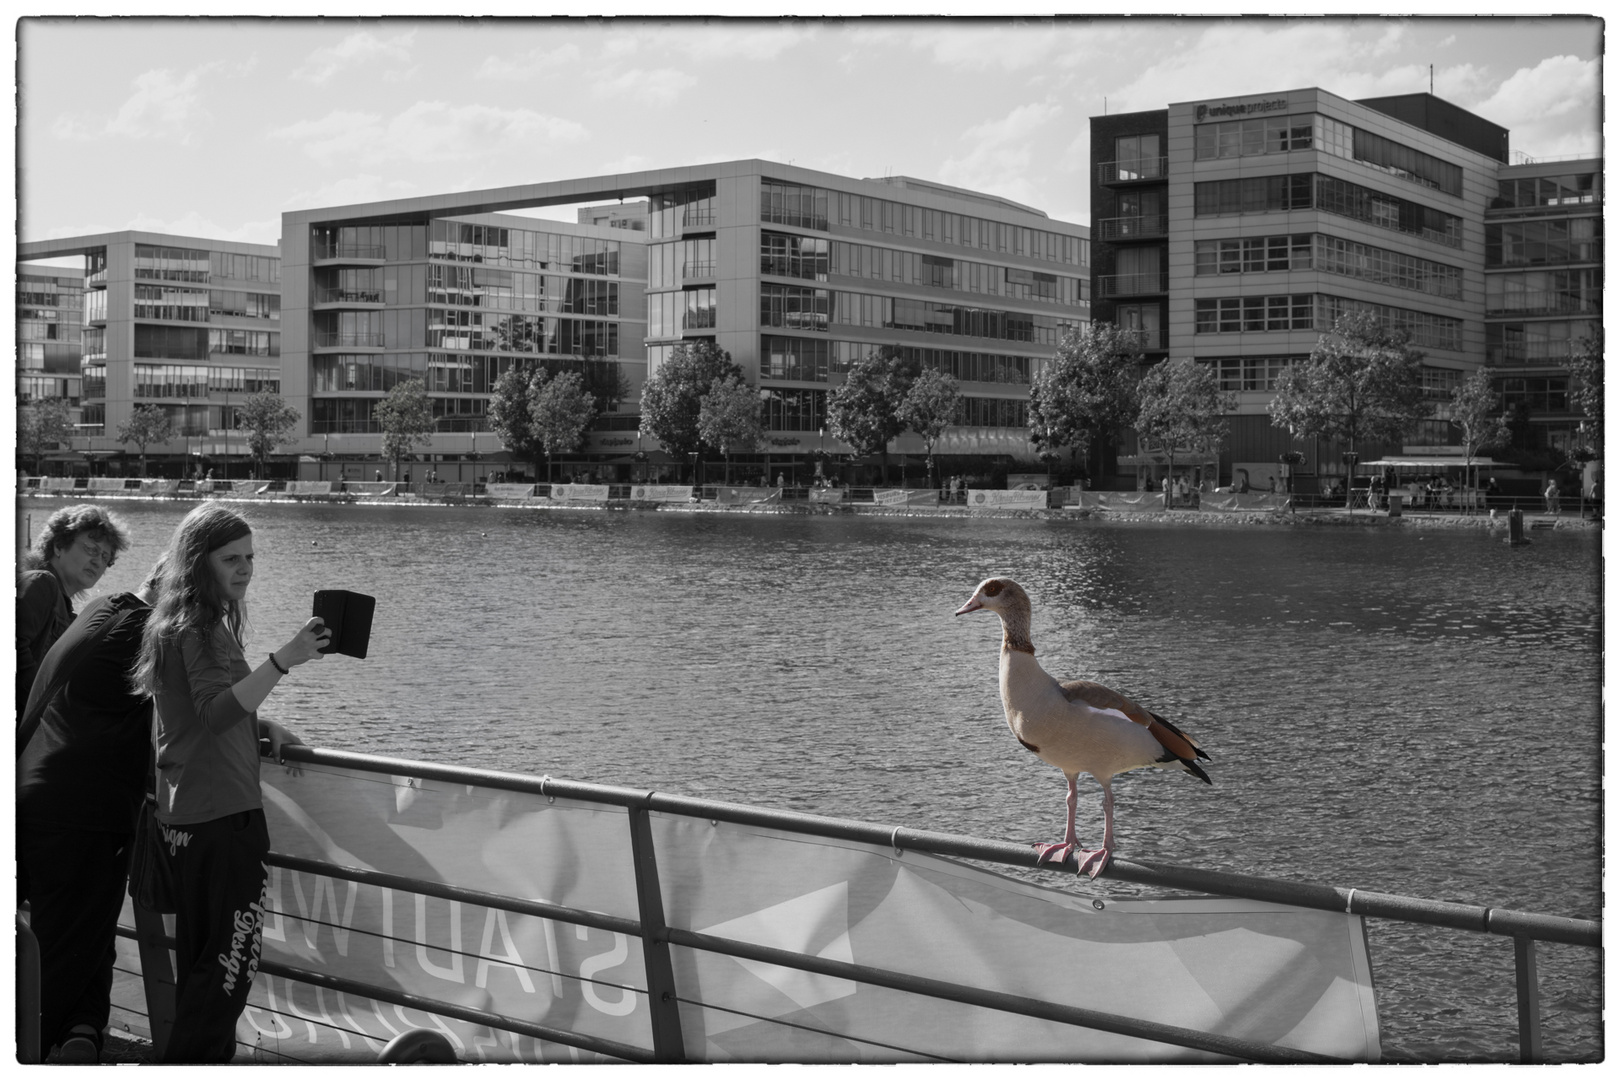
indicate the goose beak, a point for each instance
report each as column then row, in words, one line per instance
column 972, row 605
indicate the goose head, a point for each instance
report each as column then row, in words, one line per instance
column 1004, row 596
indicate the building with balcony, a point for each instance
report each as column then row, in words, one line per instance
column 794, row 272
column 1236, row 230
column 50, row 324
column 187, row 324
column 1543, row 290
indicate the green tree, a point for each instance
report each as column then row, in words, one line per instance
column 43, row 424
column 267, row 421
column 560, row 409
column 1181, row 407
column 929, row 408
column 1476, row 410
column 406, row 419
column 509, row 415
column 1362, row 381
column 1086, row 393
column 1586, row 388
column 672, row 399
column 729, row 418
column 147, row 424
column 865, row 411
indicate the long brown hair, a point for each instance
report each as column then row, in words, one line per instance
column 188, row 592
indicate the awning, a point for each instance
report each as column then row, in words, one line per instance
column 1431, row 463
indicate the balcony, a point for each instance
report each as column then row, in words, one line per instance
column 1149, row 284
column 345, row 296
column 697, row 270
column 1134, row 171
column 1138, row 227
column 692, row 219
column 348, row 339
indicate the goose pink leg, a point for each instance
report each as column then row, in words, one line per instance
column 1095, row 859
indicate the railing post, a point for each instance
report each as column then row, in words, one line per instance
column 668, row 1045
column 1529, row 987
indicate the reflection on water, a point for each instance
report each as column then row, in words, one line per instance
column 1400, row 710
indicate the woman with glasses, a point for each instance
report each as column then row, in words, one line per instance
column 75, row 548
column 205, row 721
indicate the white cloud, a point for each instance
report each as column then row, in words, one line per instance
column 267, row 231
column 658, row 87
column 164, row 105
column 1001, row 153
column 352, row 190
column 353, row 51
column 428, row 131
column 1558, row 95
column 528, row 66
column 332, row 136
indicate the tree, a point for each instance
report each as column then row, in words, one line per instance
column 1362, row 381
column 1586, row 387
column 560, row 409
column 1087, row 392
column 1182, row 407
column 672, row 398
column 146, row 424
column 865, row 411
column 929, row 408
column 267, row 421
column 510, row 416
column 729, row 418
column 406, row 419
column 1476, row 409
column 42, row 425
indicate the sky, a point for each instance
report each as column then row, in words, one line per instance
column 214, row 127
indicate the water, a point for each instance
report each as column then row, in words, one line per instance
column 1408, row 711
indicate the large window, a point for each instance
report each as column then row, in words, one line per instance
column 815, row 360
column 793, row 307
column 1545, row 292
column 699, row 309
column 1387, row 212
column 171, row 264
column 224, row 264
column 672, row 211
column 927, row 316
column 243, row 342
column 1427, row 331
column 796, row 410
column 1575, row 189
column 991, row 412
column 961, row 275
column 1138, row 157
column 1346, row 257
column 1253, row 254
column 245, row 305
column 191, row 380
column 1307, row 131
column 168, row 302
column 1544, row 240
column 1547, row 341
column 1250, row 314
column 1253, row 195
column 1259, row 135
column 792, row 256
column 173, row 342
column 1251, row 373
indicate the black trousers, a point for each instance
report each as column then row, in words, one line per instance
column 75, row 887
column 219, row 878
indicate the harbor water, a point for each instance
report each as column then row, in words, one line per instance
column 1405, row 710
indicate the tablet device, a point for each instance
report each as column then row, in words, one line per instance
column 348, row 616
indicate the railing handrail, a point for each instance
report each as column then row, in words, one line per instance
column 1478, row 918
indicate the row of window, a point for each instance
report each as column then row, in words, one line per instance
column 1331, row 254
column 158, row 263
column 246, row 305
column 1548, row 341
column 806, row 410
column 814, row 208
column 1575, row 189
column 1544, row 240
column 48, row 356
column 1545, row 292
column 1312, row 131
column 670, row 263
column 189, row 380
column 1250, row 372
column 933, row 317
column 38, row 387
column 1317, row 311
column 449, row 373
column 1303, row 191
column 455, row 241
column 817, row 359
column 167, row 302
column 933, row 271
column 1536, row 393
column 196, row 343
column 36, row 329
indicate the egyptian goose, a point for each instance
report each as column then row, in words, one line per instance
column 1081, row 727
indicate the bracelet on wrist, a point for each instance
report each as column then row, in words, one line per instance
column 277, row 665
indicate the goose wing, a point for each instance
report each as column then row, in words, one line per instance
column 1177, row 744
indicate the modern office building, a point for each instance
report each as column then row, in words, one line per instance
column 50, row 319
column 188, row 324
column 794, row 272
column 1543, row 290
column 1236, row 230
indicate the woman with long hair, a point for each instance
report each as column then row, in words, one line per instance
column 206, row 728
column 77, row 545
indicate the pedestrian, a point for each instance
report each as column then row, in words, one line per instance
column 1551, row 495
column 84, row 751
column 76, row 546
column 206, row 728
column 379, row 476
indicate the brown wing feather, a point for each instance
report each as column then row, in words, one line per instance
column 1099, row 696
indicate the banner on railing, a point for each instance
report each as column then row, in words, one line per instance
column 1257, row 971
column 509, row 491
column 579, row 493
column 250, row 487
column 906, row 497
column 662, row 493
column 1231, row 500
column 827, row 495
column 1150, row 502
column 104, row 484
column 992, row 499
column 56, row 483
column 739, row 496
column 160, row 487
column 309, row 487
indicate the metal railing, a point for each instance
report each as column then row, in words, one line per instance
column 1134, row 284
column 664, row 994
column 1133, row 227
column 1126, row 172
column 370, row 252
